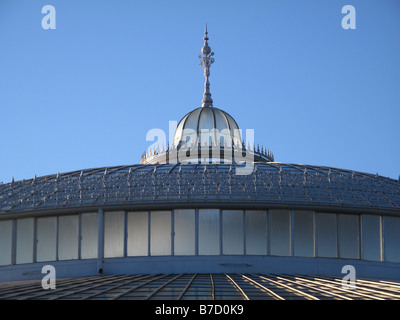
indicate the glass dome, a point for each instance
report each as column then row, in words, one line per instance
column 207, row 134
column 208, row 126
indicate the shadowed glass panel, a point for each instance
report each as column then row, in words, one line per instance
column 46, row 239
column 5, row 242
column 24, row 240
column 371, row 237
column 113, row 234
column 89, row 234
column 303, row 244
column 327, row 235
column 349, row 238
column 391, row 227
column 68, row 237
column 185, row 232
column 160, row 241
column 209, row 232
column 256, row 232
column 138, row 234
column 280, row 232
column 232, row 232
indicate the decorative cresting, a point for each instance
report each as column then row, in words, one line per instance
column 206, row 61
column 271, row 184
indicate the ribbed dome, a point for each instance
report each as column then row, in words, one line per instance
column 208, row 125
column 208, row 134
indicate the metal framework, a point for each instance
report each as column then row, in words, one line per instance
column 202, row 286
column 269, row 184
column 225, row 153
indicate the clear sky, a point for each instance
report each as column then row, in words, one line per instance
column 85, row 94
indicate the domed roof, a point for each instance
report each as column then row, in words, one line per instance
column 208, row 134
column 208, row 126
column 269, row 185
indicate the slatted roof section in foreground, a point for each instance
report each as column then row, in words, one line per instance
column 200, row 287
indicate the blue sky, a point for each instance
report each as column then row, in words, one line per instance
column 85, row 94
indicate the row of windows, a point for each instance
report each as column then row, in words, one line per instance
column 201, row 232
column 49, row 239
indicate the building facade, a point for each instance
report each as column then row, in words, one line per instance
column 187, row 209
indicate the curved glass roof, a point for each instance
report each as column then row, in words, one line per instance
column 208, row 119
column 270, row 184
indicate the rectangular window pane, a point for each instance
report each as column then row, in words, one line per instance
column 327, row 235
column 46, row 239
column 232, row 232
column 113, row 234
column 185, row 232
column 89, row 226
column 24, row 240
column 5, row 242
column 68, row 237
column 303, row 244
column 138, row 234
column 391, row 229
column 280, row 232
column 371, row 237
column 209, row 232
column 256, row 232
column 160, row 236
column 349, row 238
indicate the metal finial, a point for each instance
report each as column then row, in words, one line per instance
column 206, row 60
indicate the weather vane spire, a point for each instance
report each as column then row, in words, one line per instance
column 206, row 60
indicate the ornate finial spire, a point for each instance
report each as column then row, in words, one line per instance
column 206, row 61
